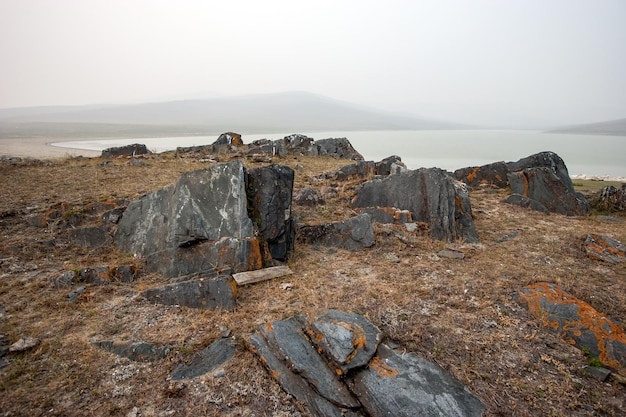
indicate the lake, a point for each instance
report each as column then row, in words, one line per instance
column 584, row 155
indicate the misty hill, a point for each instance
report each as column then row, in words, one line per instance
column 267, row 113
column 612, row 127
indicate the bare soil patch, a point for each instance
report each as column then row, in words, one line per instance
column 458, row 313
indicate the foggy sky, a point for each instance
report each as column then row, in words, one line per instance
column 505, row 63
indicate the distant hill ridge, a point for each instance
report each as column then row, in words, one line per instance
column 611, row 127
column 264, row 113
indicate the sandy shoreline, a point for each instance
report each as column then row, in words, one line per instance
column 40, row 148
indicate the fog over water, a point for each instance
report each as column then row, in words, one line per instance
column 514, row 64
column 590, row 155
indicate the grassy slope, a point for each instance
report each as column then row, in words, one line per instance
column 457, row 313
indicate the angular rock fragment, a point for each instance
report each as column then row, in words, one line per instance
column 604, row 248
column 400, row 385
column 127, row 150
column 347, row 339
column 308, row 197
column 494, row 174
column 209, row 359
column 580, row 323
column 24, row 344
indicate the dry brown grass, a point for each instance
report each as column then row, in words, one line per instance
column 458, row 313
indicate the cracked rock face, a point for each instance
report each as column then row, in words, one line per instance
column 335, row 364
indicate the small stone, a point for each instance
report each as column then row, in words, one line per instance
column 286, row 286
column 410, row 227
column 599, row 373
column 73, row 296
column 24, row 344
column 219, row 373
column 451, row 254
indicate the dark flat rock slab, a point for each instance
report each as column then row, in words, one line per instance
column 407, row 385
column 209, row 359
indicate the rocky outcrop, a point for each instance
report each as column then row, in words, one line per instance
column 128, row 150
column 549, row 160
column 430, row 195
column 308, row 197
column 202, row 223
column 337, row 148
column 391, row 165
column 546, row 187
column 353, row 234
column 604, row 248
column 580, row 323
column 335, row 364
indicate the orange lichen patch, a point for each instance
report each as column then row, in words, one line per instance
column 601, row 245
column 275, row 374
column 268, row 327
column 472, row 175
column 233, row 284
column 383, row 370
column 255, row 257
column 313, row 334
column 604, row 331
column 526, row 184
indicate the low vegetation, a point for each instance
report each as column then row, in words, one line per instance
column 458, row 313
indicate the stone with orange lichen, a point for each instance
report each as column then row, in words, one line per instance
column 494, row 174
column 402, row 385
column 604, row 248
column 580, row 324
column 347, row 339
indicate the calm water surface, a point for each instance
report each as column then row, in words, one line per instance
column 597, row 155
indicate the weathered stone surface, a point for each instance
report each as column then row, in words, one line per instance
column 4, row 345
column 511, row 235
column 391, row 165
column 270, row 191
column 113, row 216
column 580, row 323
column 289, row 380
column 431, row 197
column 549, row 160
column 402, row 385
column 547, row 188
column 337, row 148
column 308, row 197
column 610, row 199
column 604, row 248
column 181, row 229
column 135, row 351
column 91, row 236
column 66, row 279
column 214, row 356
column 385, row 384
column 358, row 170
column 229, row 138
column 463, row 218
column 268, row 147
column 299, row 144
column 128, row 150
column 203, row 293
column 347, row 339
column 24, row 344
column 494, row 174
column 292, row 345
column 353, row 234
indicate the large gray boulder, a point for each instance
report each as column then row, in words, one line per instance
column 431, row 196
column 495, row 174
column 547, row 159
column 547, row 187
column 187, row 227
column 337, row 148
